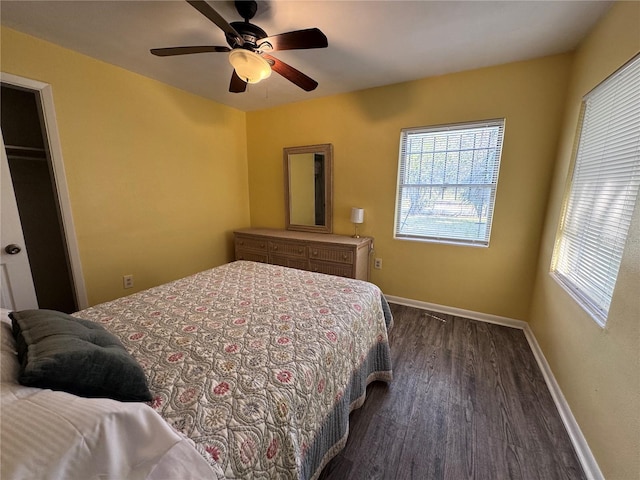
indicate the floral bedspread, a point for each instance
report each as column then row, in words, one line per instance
column 258, row 364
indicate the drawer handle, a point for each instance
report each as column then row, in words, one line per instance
column 262, row 245
column 275, row 247
column 344, row 255
column 241, row 242
column 299, row 250
column 315, row 252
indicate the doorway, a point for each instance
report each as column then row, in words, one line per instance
column 32, row 175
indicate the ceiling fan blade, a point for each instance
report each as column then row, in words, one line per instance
column 237, row 85
column 205, row 9
column 295, row 76
column 299, row 39
column 169, row 51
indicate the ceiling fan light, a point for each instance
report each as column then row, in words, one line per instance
column 249, row 66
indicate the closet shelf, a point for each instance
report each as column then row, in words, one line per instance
column 35, row 153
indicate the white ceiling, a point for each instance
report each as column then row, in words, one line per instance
column 371, row 43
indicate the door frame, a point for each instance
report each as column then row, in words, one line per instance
column 59, row 176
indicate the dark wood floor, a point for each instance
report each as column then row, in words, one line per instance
column 467, row 401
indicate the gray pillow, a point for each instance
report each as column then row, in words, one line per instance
column 61, row 352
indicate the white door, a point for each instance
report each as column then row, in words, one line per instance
column 18, row 292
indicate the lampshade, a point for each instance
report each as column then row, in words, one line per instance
column 357, row 215
column 249, row 66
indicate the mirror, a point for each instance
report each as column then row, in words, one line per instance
column 309, row 188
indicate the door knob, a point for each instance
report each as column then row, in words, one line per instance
column 12, row 249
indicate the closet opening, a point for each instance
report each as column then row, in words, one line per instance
column 32, row 176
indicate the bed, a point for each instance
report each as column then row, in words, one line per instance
column 255, row 367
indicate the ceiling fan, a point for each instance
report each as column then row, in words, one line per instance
column 249, row 46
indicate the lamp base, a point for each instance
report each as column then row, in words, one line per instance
column 355, row 235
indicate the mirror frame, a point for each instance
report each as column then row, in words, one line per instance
column 327, row 150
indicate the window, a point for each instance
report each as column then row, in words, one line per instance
column 447, row 179
column 602, row 193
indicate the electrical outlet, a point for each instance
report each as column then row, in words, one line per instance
column 377, row 264
column 127, row 281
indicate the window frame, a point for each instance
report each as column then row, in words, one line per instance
column 441, row 238
column 593, row 287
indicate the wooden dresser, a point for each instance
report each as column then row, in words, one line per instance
column 317, row 252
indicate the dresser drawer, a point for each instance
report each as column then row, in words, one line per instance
column 291, row 249
column 331, row 254
column 252, row 256
column 291, row 262
column 251, row 243
column 339, row 269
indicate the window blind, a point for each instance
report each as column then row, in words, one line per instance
column 447, row 179
column 603, row 192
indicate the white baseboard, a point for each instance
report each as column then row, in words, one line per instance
column 587, row 460
column 458, row 312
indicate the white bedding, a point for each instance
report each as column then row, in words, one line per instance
column 55, row 435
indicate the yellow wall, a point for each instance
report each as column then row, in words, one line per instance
column 364, row 128
column 597, row 369
column 157, row 177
